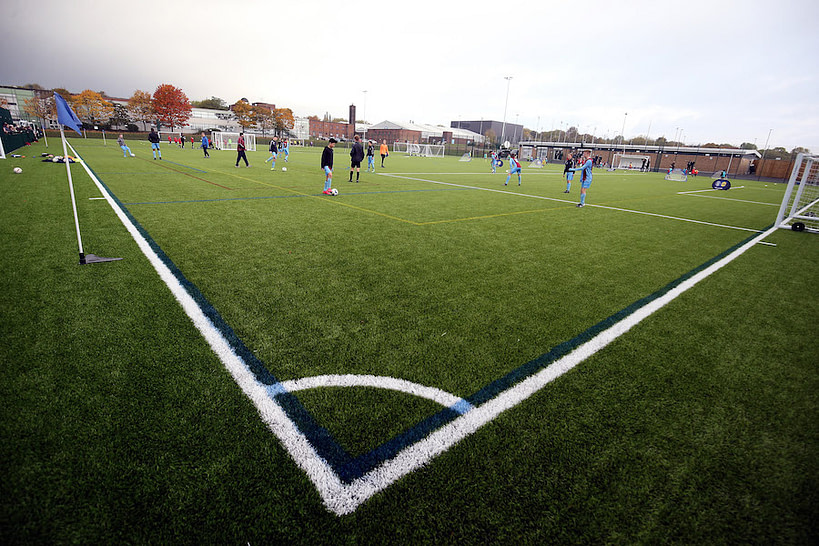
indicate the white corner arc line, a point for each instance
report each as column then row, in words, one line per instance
column 380, row 382
column 339, row 497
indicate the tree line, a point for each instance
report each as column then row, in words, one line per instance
column 167, row 106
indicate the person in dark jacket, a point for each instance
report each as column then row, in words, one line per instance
column 370, row 156
column 240, row 151
column 356, row 156
column 153, row 138
column 327, row 165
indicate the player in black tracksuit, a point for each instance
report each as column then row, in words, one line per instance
column 568, row 173
column 356, row 156
column 327, row 165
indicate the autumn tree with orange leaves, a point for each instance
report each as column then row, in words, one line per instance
column 171, row 106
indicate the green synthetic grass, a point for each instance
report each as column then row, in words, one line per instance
column 119, row 424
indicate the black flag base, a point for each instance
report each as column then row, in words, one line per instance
column 93, row 259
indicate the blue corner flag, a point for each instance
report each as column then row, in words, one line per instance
column 65, row 115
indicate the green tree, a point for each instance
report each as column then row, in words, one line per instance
column 244, row 114
column 120, row 115
column 284, row 120
column 748, row 146
column 214, row 103
column 91, row 107
column 141, row 108
column 264, row 118
column 40, row 106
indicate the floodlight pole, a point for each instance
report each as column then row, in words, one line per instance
column 364, row 115
column 623, row 133
column 762, row 159
column 505, row 107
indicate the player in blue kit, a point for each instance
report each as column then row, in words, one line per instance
column 493, row 159
column 585, row 176
column 286, row 150
column 514, row 167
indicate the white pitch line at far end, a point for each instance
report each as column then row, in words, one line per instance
column 543, row 197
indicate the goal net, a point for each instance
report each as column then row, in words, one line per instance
column 800, row 204
column 629, row 162
column 421, row 150
column 677, row 174
column 227, row 141
column 466, row 157
column 536, row 164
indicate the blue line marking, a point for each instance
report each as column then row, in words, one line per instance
column 186, row 166
column 461, row 407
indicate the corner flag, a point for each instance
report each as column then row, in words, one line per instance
column 65, row 115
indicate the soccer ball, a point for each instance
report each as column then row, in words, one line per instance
column 284, row 169
column 506, row 144
column 18, row 170
column 334, row 192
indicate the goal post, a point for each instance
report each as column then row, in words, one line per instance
column 799, row 210
column 222, row 140
column 677, row 175
column 629, row 161
column 420, row 150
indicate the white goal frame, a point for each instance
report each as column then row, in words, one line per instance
column 222, row 140
column 420, row 150
column 678, row 175
column 800, row 204
column 636, row 161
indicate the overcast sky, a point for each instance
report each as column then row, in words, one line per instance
column 716, row 70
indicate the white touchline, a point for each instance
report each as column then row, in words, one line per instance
column 341, row 498
column 709, row 189
column 738, row 200
column 565, row 201
column 381, row 382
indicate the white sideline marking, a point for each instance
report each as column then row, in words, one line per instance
column 95, row 198
column 572, row 202
column 709, row 189
column 381, row 382
column 341, row 498
column 738, row 200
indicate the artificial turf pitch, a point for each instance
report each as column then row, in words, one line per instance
column 120, row 423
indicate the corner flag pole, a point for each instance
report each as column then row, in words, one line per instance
column 73, row 201
column 66, row 116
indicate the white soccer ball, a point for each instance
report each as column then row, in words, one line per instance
column 284, row 169
column 506, row 144
column 334, row 192
column 18, row 170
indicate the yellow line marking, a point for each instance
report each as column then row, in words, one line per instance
column 487, row 216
